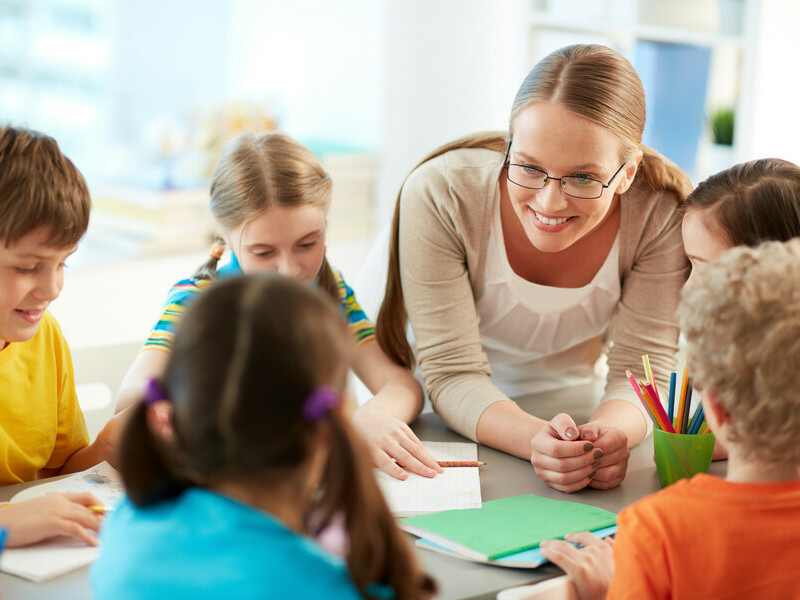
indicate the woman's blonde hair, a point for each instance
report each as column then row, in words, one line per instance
column 592, row 81
column 741, row 319
column 257, row 172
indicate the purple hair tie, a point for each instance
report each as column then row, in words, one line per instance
column 154, row 392
column 319, row 402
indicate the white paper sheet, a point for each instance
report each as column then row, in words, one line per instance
column 457, row 487
column 55, row 557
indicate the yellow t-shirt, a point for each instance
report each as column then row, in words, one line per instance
column 41, row 423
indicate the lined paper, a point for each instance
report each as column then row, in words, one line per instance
column 456, row 488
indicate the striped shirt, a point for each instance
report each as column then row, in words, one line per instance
column 182, row 293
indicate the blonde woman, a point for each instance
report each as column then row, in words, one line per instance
column 518, row 258
column 270, row 197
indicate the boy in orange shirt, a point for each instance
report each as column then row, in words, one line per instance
column 708, row 537
column 44, row 211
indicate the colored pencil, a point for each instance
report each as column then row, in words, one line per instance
column 673, row 377
column 637, row 389
column 659, row 408
column 687, row 408
column 682, row 399
column 704, row 428
column 648, row 373
column 697, row 420
column 3, row 533
column 460, row 463
column 99, row 509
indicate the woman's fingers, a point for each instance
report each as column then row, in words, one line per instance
column 564, row 426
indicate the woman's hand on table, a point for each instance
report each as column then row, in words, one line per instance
column 562, row 459
column 589, row 568
column 614, row 462
column 395, row 449
column 50, row 516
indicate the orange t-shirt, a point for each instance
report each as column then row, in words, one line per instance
column 710, row 538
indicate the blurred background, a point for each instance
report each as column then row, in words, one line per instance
column 142, row 94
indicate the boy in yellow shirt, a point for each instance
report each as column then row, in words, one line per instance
column 44, row 211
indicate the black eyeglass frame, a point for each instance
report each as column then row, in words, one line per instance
column 547, row 178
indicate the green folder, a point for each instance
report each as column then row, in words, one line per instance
column 507, row 526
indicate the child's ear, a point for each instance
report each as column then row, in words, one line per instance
column 716, row 414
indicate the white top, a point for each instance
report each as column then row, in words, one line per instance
column 535, row 335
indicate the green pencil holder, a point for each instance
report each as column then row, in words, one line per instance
column 681, row 455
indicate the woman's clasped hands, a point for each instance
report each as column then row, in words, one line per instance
column 569, row 458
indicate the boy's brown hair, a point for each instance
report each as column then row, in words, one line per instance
column 40, row 187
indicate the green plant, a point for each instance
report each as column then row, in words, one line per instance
column 722, row 126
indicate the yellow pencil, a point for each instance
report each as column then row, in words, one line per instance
column 648, row 372
column 99, row 509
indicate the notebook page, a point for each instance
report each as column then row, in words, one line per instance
column 55, row 557
column 101, row 480
column 456, row 488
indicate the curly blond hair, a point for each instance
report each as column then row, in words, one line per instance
column 741, row 319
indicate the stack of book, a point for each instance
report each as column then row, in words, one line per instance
column 353, row 172
column 140, row 222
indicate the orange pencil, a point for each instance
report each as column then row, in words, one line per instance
column 460, row 463
column 99, row 509
column 682, row 402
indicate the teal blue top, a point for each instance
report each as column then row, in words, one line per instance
column 202, row 545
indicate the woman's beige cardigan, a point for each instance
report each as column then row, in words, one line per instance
column 445, row 214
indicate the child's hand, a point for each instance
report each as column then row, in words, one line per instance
column 394, row 447
column 52, row 515
column 561, row 458
column 589, row 568
column 614, row 461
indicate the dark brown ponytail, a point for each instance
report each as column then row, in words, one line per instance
column 143, row 462
column 379, row 554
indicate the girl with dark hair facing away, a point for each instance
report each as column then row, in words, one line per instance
column 527, row 254
column 257, row 456
column 269, row 197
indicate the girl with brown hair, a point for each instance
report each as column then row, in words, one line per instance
column 258, row 454
column 749, row 203
column 270, row 197
column 519, row 258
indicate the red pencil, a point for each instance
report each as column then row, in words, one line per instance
column 460, row 463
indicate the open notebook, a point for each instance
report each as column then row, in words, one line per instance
column 61, row 555
column 456, row 488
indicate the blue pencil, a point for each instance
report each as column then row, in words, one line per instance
column 671, row 407
column 3, row 533
column 697, row 420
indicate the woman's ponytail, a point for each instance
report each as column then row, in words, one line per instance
column 661, row 174
column 392, row 317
